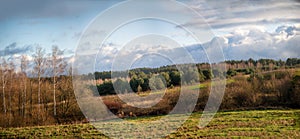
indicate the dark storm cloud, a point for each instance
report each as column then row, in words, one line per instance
column 12, row 49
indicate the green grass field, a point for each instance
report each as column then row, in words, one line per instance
column 253, row 124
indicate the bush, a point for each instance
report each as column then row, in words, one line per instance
column 295, row 96
column 106, row 88
column 231, row 73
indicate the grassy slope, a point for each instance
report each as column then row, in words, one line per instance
column 267, row 123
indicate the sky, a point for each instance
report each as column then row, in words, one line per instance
column 242, row 28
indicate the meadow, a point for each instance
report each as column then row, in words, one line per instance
column 230, row 124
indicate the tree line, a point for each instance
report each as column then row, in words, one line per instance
column 250, row 65
column 33, row 86
column 139, row 80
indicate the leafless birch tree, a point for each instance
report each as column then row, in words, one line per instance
column 24, row 64
column 39, row 61
column 4, row 70
column 58, row 66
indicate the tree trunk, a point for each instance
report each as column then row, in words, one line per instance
column 20, row 108
column 3, row 94
column 9, row 97
column 39, row 93
column 54, row 97
column 30, row 98
column 25, row 97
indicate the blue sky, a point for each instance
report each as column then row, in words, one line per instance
column 244, row 28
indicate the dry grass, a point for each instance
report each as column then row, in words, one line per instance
column 236, row 124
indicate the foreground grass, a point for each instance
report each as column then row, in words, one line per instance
column 257, row 124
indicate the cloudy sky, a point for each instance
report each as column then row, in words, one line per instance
column 244, row 29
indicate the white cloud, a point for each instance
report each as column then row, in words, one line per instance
column 254, row 43
column 243, row 43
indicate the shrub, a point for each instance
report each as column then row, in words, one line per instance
column 231, row 73
column 295, row 96
column 106, row 88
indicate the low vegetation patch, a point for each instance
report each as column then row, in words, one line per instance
column 231, row 124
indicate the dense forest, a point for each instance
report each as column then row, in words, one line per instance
column 39, row 91
column 169, row 76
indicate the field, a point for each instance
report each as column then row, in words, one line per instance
column 232, row 124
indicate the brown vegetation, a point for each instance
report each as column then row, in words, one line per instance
column 38, row 99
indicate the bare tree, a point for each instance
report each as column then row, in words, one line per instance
column 30, row 96
column 20, row 109
column 67, row 97
column 58, row 66
column 24, row 64
column 39, row 61
column 4, row 70
column 10, row 94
